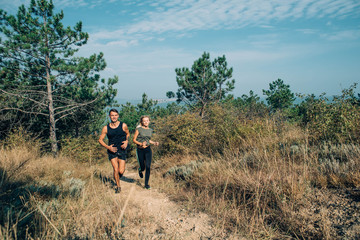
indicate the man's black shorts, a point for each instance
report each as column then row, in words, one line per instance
column 119, row 154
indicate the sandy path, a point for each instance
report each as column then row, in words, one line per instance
column 168, row 219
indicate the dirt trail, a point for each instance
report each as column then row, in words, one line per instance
column 168, row 219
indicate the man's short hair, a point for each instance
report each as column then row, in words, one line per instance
column 113, row 110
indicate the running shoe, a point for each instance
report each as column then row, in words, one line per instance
column 117, row 189
column 147, row 187
column 141, row 174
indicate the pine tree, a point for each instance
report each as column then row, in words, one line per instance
column 41, row 78
column 205, row 83
column 279, row 95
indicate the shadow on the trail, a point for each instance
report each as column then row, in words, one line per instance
column 354, row 194
column 126, row 179
column 110, row 180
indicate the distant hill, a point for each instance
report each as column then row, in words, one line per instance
column 162, row 102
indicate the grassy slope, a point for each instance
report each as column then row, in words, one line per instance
column 265, row 181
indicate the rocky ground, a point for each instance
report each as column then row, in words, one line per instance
column 336, row 212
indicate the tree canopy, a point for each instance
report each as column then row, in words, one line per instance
column 43, row 83
column 204, row 83
column 279, row 95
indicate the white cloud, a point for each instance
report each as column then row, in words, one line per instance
column 122, row 43
column 342, row 35
column 14, row 4
column 184, row 16
column 139, row 53
column 308, row 31
column 236, row 13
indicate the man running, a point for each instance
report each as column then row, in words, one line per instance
column 118, row 134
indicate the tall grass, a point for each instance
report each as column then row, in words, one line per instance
column 259, row 177
column 46, row 198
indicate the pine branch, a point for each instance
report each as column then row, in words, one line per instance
column 193, row 90
column 72, row 107
column 24, row 111
column 24, row 97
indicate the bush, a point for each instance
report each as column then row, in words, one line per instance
column 222, row 129
column 182, row 133
column 230, row 130
column 19, row 138
column 84, row 149
column 262, row 173
column 337, row 120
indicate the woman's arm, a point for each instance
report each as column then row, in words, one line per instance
column 136, row 134
column 154, row 143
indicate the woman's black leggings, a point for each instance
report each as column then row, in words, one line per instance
column 144, row 156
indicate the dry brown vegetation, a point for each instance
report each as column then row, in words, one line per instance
column 46, row 198
column 67, row 198
column 262, row 177
column 258, row 178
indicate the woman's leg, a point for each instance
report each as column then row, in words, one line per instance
column 141, row 160
column 148, row 158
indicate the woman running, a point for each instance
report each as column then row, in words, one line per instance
column 142, row 138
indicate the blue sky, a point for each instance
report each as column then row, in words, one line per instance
column 313, row 45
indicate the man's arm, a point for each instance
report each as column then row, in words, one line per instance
column 102, row 143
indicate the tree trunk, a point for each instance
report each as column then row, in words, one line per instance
column 53, row 140
column 52, row 122
column 202, row 111
column 77, row 130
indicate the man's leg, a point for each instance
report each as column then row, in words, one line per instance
column 115, row 165
column 121, row 167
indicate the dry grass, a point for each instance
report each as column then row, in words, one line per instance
column 264, row 181
column 264, row 187
column 46, row 198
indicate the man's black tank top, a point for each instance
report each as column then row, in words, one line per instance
column 116, row 136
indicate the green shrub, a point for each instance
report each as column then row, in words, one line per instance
column 84, row 149
column 21, row 139
column 222, row 129
column 337, row 120
column 233, row 131
column 182, row 133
